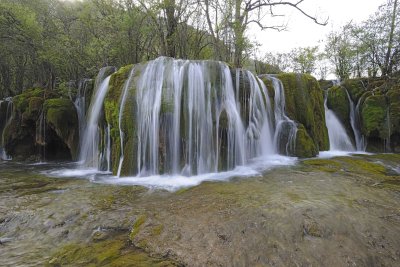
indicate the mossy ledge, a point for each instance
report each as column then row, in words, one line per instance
column 305, row 105
column 43, row 124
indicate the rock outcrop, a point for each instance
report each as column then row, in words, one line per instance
column 43, row 127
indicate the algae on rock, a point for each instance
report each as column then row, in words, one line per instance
column 305, row 105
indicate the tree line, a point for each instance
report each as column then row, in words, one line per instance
column 46, row 43
column 367, row 49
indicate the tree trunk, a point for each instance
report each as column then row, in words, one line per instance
column 388, row 64
column 239, row 35
column 171, row 28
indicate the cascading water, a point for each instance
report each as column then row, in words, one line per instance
column 285, row 128
column 338, row 138
column 90, row 154
column 41, row 135
column 80, row 105
column 189, row 120
column 355, row 124
column 6, row 108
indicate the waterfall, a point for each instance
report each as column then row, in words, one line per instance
column 355, row 124
column 285, row 128
column 6, row 109
column 338, row 138
column 189, row 119
column 80, row 105
column 90, row 154
column 41, row 135
column 387, row 142
column 186, row 118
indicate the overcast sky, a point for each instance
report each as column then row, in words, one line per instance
column 304, row 32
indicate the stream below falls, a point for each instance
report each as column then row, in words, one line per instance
column 336, row 211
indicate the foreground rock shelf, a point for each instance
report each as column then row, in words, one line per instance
column 322, row 212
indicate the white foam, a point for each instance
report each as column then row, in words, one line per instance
column 175, row 182
column 340, row 153
column 78, row 173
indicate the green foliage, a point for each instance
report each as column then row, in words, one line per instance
column 304, row 59
column 340, row 51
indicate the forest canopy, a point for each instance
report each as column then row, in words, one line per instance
column 48, row 43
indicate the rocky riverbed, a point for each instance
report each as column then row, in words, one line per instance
column 342, row 211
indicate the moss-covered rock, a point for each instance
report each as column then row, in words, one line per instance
column 112, row 107
column 62, row 118
column 338, row 102
column 305, row 146
column 305, row 104
column 114, row 252
column 34, row 133
column 355, row 87
column 374, row 121
column 326, row 84
column 394, row 118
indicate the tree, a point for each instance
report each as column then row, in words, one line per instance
column 239, row 14
column 304, row 59
column 378, row 39
column 339, row 50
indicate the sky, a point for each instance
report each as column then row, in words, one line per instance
column 303, row 32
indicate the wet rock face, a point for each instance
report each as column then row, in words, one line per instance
column 338, row 102
column 378, row 103
column 61, row 118
column 43, row 127
column 304, row 105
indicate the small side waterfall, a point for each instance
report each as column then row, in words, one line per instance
column 355, row 124
column 338, row 138
column 6, row 109
column 80, row 105
column 41, row 135
column 90, row 154
column 285, row 128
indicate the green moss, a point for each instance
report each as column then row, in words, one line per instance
column 359, row 165
column 157, row 230
column 62, row 118
column 355, row 87
column 394, row 110
column 136, row 226
column 35, row 104
column 325, row 84
column 115, row 252
column 294, row 197
column 373, row 115
column 325, row 165
column 305, row 147
column 112, row 104
column 305, row 104
column 338, row 102
column 21, row 102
